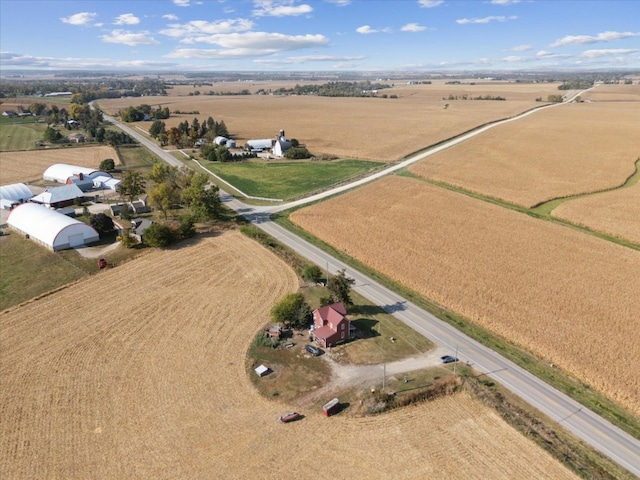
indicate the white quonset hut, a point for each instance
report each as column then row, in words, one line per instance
column 14, row 194
column 85, row 178
column 50, row 228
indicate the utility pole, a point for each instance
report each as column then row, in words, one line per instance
column 456, row 362
column 327, row 273
column 384, row 374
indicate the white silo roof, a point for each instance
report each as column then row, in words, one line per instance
column 60, row 172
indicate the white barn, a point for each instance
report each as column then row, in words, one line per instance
column 62, row 173
column 50, row 228
column 14, row 194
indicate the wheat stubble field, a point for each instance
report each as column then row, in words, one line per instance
column 558, row 152
column 379, row 129
column 139, row 372
column 28, row 166
column 568, row 297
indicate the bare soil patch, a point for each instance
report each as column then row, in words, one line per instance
column 28, row 166
column 568, row 297
column 557, row 152
column 139, row 372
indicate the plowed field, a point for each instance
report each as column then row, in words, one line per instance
column 139, row 372
column 382, row 129
column 557, row 152
column 28, row 166
column 569, row 297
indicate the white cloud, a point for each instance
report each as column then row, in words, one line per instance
column 181, row 3
column 133, row 39
column 126, row 19
column 279, row 8
column 82, row 18
column 77, row 63
column 170, row 16
column 493, row 18
column 543, row 53
column 608, row 52
column 521, row 48
column 365, row 30
column 340, row 3
column 504, row 2
column 413, row 27
column 249, row 44
column 197, row 28
column 601, row 37
column 309, row 58
column 430, row 3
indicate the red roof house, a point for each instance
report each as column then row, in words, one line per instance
column 330, row 325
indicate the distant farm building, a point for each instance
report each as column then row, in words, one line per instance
column 49, row 228
column 85, row 178
column 278, row 145
column 14, row 194
column 58, row 197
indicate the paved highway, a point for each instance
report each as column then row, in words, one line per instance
column 585, row 424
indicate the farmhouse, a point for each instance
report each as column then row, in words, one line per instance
column 58, row 197
column 330, row 325
column 15, row 194
column 50, row 228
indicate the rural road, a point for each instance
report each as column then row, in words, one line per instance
column 585, row 424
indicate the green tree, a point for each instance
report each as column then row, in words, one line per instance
column 107, row 164
column 291, row 310
column 202, row 197
column 159, row 235
column 132, row 185
column 296, row 153
column 126, row 239
column 102, row 223
column 340, row 288
column 156, row 128
column 162, row 196
column 52, row 135
column 312, row 273
column 37, row 108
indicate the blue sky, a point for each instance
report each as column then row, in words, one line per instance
column 318, row 35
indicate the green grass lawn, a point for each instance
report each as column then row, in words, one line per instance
column 29, row 270
column 20, row 136
column 286, row 180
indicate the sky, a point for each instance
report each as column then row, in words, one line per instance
column 318, row 35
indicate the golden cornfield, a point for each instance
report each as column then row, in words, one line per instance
column 139, row 372
column 28, row 166
column 616, row 213
column 568, row 297
column 379, row 129
column 557, row 152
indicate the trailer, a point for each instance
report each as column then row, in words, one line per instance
column 331, row 408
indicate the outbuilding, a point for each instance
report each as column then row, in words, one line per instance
column 50, row 228
column 64, row 173
column 14, row 194
column 59, row 197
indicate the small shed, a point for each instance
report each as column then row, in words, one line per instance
column 262, row 370
column 331, row 407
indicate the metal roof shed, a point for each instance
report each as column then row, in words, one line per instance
column 50, row 228
column 18, row 192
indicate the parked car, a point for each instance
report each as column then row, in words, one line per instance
column 313, row 350
column 448, row 359
column 102, row 263
column 289, row 417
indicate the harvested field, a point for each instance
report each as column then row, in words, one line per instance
column 152, row 385
column 616, row 213
column 29, row 166
column 568, row 297
column 381, row 129
column 557, row 152
column 613, row 93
